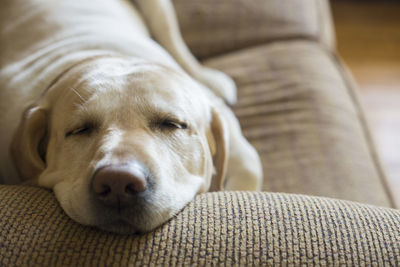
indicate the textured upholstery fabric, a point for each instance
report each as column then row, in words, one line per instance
column 216, row 229
column 297, row 109
column 212, row 27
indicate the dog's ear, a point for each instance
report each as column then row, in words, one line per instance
column 28, row 147
column 219, row 147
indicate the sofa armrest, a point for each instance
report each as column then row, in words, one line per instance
column 213, row 27
column 298, row 108
column 226, row 228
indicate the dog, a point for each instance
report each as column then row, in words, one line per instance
column 105, row 105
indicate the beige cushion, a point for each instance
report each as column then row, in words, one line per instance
column 242, row 229
column 297, row 108
column 212, row 27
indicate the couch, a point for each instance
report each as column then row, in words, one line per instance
column 326, row 201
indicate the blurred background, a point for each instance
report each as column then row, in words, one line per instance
column 368, row 39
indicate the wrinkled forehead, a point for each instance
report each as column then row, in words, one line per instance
column 143, row 84
column 114, row 84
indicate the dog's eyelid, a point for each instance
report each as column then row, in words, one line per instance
column 84, row 129
column 174, row 123
column 171, row 123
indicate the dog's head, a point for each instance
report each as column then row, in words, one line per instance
column 124, row 145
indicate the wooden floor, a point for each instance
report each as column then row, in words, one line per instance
column 368, row 36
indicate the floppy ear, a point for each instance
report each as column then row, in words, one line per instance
column 28, row 148
column 219, row 147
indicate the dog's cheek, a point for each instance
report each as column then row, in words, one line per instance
column 197, row 162
column 190, row 154
column 65, row 162
column 75, row 201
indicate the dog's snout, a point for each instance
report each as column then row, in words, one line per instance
column 119, row 184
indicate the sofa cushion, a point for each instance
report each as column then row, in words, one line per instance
column 212, row 27
column 216, row 229
column 297, row 108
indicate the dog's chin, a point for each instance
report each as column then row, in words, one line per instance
column 120, row 227
column 128, row 226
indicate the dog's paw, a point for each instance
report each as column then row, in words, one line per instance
column 220, row 83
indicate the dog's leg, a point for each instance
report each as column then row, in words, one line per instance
column 244, row 165
column 160, row 17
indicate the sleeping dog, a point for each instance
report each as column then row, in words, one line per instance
column 104, row 104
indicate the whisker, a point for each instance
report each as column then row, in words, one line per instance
column 76, row 92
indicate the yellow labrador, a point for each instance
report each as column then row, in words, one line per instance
column 124, row 128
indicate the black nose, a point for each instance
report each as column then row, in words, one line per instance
column 119, row 185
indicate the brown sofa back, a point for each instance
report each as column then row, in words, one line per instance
column 212, row 27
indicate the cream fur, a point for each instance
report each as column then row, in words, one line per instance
column 66, row 65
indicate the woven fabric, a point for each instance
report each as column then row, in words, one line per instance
column 216, row 229
column 212, row 27
column 296, row 108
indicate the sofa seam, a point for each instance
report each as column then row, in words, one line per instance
column 345, row 75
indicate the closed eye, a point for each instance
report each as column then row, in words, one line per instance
column 82, row 130
column 171, row 124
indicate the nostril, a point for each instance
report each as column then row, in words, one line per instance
column 104, row 191
column 137, row 185
column 132, row 189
